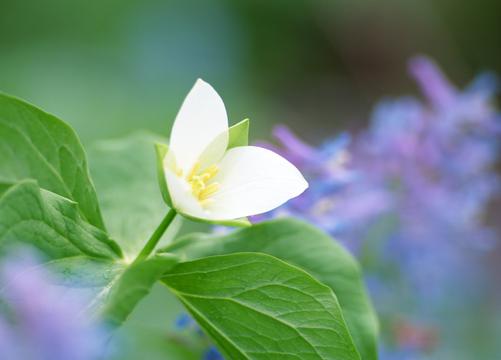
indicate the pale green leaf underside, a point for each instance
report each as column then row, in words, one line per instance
column 36, row 145
column 258, row 307
column 112, row 288
column 310, row 249
column 124, row 173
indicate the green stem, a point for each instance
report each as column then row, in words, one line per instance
column 155, row 237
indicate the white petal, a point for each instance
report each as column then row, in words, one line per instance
column 200, row 120
column 181, row 195
column 213, row 153
column 253, row 180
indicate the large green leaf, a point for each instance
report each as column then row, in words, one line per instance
column 36, row 145
column 258, row 307
column 51, row 223
column 126, row 180
column 310, row 249
column 83, row 256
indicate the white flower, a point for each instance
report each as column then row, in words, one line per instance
column 208, row 180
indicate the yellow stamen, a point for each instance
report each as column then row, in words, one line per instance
column 210, row 190
column 193, row 171
column 200, row 182
column 212, row 171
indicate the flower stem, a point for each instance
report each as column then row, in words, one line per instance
column 155, row 237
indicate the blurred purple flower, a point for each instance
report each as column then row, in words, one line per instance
column 444, row 174
column 427, row 166
column 335, row 200
column 36, row 323
column 434, row 85
column 430, row 164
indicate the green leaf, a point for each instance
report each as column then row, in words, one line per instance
column 124, row 173
column 51, row 223
column 83, row 255
column 36, row 145
column 4, row 187
column 239, row 134
column 310, row 249
column 258, row 307
column 114, row 288
column 134, row 284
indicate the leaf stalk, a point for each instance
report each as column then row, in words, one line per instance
column 156, row 236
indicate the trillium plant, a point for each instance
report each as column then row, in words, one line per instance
column 275, row 290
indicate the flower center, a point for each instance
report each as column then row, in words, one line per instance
column 200, row 182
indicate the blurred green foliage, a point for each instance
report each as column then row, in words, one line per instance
column 114, row 66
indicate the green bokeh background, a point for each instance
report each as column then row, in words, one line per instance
column 109, row 67
column 112, row 67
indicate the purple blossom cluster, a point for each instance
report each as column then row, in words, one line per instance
column 37, row 321
column 413, row 188
column 429, row 164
